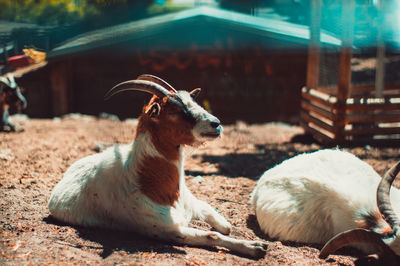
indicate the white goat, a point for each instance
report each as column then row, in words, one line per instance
column 312, row 197
column 141, row 186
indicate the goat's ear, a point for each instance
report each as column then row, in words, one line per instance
column 154, row 110
column 194, row 93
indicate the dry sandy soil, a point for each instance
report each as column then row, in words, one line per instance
column 223, row 173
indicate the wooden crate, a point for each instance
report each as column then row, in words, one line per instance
column 359, row 118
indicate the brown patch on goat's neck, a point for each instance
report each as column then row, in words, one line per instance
column 159, row 180
column 375, row 222
column 165, row 145
column 167, row 134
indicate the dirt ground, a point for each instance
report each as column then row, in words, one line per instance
column 223, row 173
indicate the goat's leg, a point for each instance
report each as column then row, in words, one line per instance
column 5, row 121
column 205, row 212
column 197, row 237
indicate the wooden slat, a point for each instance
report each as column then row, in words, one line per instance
column 330, row 90
column 382, row 142
column 370, row 89
column 318, row 93
column 392, row 90
column 308, row 118
column 373, row 118
column 316, row 134
column 387, row 142
column 386, row 96
column 372, row 131
column 362, row 89
column 315, row 99
column 373, row 107
column 394, row 87
column 309, row 107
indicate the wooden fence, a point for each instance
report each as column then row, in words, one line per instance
column 360, row 117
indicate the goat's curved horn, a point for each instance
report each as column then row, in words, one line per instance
column 353, row 236
column 139, row 85
column 157, row 80
column 383, row 197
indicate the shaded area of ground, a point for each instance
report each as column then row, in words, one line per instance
column 33, row 161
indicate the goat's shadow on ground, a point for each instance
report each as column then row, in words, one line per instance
column 251, row 223
column 251, row 165
column 110, row 241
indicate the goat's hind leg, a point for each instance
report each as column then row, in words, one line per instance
column 197, row 237
column 5, row 121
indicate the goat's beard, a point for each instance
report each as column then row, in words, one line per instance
column 197, row 143
column 191, row 148
column 201, row 141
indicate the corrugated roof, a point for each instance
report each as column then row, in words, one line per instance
column 267, row 27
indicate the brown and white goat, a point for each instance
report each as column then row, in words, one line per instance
column 10, row 96
column 315, row 197
column 141, row 186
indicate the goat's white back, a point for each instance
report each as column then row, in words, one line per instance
column 312, row 197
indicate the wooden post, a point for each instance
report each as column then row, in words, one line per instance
column 344, row 79
column 314, row 45
column 59, row 88
column 380, row 57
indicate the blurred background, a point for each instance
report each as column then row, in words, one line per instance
column 250, row 57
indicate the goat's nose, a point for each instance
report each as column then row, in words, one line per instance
column 215, row 123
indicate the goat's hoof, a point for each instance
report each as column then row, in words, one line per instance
column 6, row 129
column 12, row 127
column 257, row 249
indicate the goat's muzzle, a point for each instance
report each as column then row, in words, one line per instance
column 215, row 129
